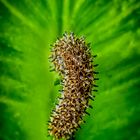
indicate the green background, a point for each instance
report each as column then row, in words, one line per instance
column 27, row 90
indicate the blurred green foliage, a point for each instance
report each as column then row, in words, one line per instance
column 27, row 88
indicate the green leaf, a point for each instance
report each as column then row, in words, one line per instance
column 27, row 91
column 57, row 82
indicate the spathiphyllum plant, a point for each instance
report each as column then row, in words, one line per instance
column 49, row 73
column 72, row 59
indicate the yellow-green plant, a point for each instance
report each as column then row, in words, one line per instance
column 27, row 88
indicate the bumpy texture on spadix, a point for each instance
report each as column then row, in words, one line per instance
column 73, row 61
